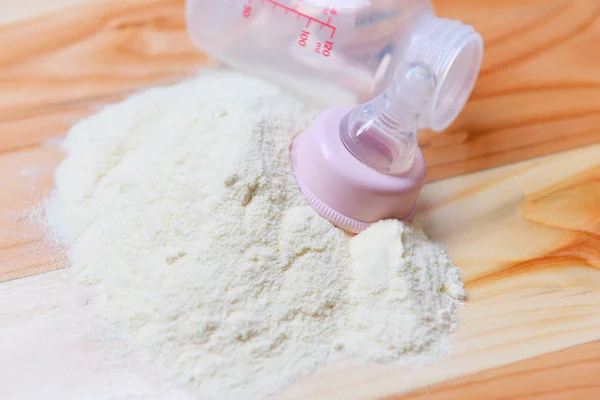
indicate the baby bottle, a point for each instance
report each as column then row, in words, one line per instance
column 314, row 45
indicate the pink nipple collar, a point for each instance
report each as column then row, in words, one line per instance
column 360, row 165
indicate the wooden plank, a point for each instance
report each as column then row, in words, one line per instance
column 572, row 373
column 537, row 54
column 52, row 347
column 91, row 52
column 26, row 178
column 524, row 235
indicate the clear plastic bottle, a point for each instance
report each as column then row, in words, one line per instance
column 357, row 45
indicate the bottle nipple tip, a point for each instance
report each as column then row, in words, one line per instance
column 419, row 71
column 416, row 81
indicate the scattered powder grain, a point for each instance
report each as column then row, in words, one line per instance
column 178, row 208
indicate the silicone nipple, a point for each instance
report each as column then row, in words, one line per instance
column 383, row 132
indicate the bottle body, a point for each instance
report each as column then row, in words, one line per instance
column 313, row 46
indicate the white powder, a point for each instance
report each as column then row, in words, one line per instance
column 179, row 208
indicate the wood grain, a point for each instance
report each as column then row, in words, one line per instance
column 26, row 180
column 526, row 236
column 539, row 88
column 91, row 53
column 538, row 55
column 567, row 374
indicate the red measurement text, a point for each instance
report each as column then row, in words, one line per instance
column 304, row 35
column 309, row 19
column 247, row 12
column 324, row 48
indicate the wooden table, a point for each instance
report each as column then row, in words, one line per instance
column 526, row 234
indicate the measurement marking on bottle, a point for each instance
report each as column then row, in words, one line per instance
column 299, row 15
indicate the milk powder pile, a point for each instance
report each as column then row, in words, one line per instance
column 179, row 209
